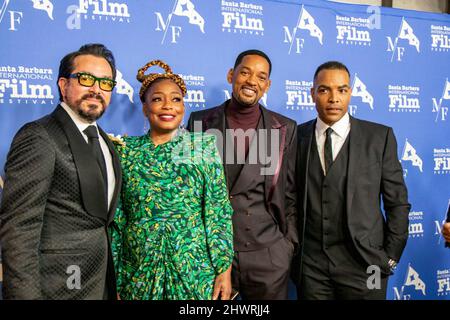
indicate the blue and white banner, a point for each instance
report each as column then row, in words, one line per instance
column 399, row 62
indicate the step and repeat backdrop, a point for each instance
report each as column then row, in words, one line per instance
column 398, row 59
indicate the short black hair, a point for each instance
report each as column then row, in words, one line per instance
column 331, row 65
column 96, row 49
column 252, row 52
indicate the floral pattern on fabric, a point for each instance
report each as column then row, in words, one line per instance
column 172, row 233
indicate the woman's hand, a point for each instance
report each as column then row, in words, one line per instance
column 222, row 286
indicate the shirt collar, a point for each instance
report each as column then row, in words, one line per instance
column 340, row 128
column 81, row 125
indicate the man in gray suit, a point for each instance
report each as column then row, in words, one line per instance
column 345, row 166
column 258, row 148
column 62, row 178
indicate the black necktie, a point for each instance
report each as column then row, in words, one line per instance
column 94, row 143
column 328, row 150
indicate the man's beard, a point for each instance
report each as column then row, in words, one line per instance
column 88, row 116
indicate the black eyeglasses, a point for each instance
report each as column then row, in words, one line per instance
column 88, row 80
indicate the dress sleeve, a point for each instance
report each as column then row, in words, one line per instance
column 217, row 211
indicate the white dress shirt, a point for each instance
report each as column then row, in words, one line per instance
column 82, row 125
column 340, row 132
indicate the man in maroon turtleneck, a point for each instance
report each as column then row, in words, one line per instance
column 258, row 149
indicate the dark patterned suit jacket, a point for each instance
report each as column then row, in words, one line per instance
column 54, row 216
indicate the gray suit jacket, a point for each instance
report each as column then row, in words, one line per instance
column 374, row 174
column 280, row 189
column 54, row 217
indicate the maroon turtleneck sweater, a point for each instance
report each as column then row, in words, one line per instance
column 242, row 117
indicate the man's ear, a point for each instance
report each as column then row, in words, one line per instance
column 313, row 94
column 62, row 82
column 230, row 76
column 269, row 83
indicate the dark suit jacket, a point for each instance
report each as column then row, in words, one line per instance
column 373, row 171
column 54, row 215
column 280, row 193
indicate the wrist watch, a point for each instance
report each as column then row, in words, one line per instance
column 392, row 264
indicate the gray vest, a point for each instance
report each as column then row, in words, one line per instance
column 326, row 230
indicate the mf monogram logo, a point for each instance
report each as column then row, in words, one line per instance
column 14, row 16
column 182, row 8
column 405, row 32
column 305, row 22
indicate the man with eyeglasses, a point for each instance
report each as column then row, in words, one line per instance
column 60, row 194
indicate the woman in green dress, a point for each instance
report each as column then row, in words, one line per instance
column 172, row 234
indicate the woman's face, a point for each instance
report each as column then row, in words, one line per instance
column 164, row 106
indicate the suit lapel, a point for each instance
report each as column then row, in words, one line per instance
column 270, row 122
column 216, row 121
column 117, row 174
column 354, row 162
column 306, row 141
column 90, row 178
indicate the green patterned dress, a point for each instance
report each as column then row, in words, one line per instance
column 172, row 233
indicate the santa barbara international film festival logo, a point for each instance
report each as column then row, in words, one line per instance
column 415, row 224
column 443, row 282
column 413, row 285
column 403, row 98
column 26, row 85
column 405, row 36
column 295, row 36
column 298, row 94
column 195, row 95
column 14, row 17
column 180, row 8
column 359, row 90
column 440, row 38
column 357, row 31
column 98, row 11
column 242, row 18
column 441, row 158
column 441, row 106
